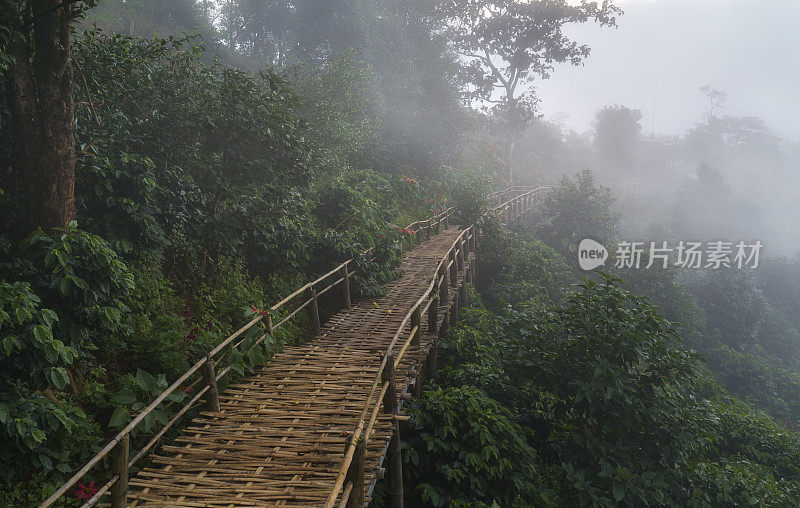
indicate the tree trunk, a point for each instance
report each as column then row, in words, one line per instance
column 40, row 96
column 511, row 138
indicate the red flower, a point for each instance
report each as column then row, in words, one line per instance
column 186, row 389
column 86, row 491
column 259, row 311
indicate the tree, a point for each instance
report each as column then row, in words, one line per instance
column 578, row 209
column 510, row 43
column 38, row 85
column 716, row 98
column 617, row 129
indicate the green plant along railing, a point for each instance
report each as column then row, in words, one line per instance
column 205, row 370
column 429, row 301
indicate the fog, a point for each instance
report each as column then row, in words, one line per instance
column 668, row 49
column 684, row 166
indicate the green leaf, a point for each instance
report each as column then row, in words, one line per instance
column 59, row 377
column 619, row 491
column 119, row 418
column 63, row 286
column 124, row 397
column 145, row 380
column 42, row 333
column 22, row 314
column 11, row 342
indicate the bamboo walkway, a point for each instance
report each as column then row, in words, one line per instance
column 279, row 437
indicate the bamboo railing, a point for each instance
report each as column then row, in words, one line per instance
column 350, row 477
column 205, row 370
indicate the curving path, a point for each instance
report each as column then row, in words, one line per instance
column 279, row 437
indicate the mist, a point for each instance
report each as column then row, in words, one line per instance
column 656, row 61
column 425, row 253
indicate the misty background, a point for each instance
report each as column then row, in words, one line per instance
column 667, row 49
column 734, row 176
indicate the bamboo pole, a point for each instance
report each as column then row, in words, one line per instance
column 314, row 311
column 433, row 312
column 210, row 379
column 416, row 323
column 355, row 474
column 119, row 466
column 346, row 288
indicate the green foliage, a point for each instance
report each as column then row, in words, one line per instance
column 577, row 209
column 617, row 132
column 474, row 445
column 610, row 407
column 469, row 196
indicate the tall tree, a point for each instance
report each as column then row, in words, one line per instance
column 617, row 129
column 38, row 82
column 716, row 99
column 508, row 44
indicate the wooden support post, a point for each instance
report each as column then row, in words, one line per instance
column 387, row 376
column 460, row 254
column 444, row 296
column 346, row 287
column 355, row 474
column 418, row 385
column 462, row 295
column 453, row 269
column 416, row 321
column 314, row 311
column 269, row 324
column 119, row 491
column 446, row 219
column 394, row 461
column 433, row 312
column 430, row 363
column 454, row 311
column 210, row 379
column 445, row 324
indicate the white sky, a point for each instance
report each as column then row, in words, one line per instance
column 667, row 49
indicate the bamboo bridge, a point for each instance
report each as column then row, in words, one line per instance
column 318, row 424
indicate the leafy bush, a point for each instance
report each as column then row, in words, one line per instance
column 612, row 412
column 474, row 446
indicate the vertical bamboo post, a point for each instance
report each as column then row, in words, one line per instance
column 445, row 324
column 444, row 296
column 387, row 376
column 346, row 287
column 431, row 361
column 394, row 461
column 269, row 324
column 446, row 219
column 454, row 311
column 119, row 491
column 314, row 312
column 210, row 379
column 428, row 230
column 460, row 254
column 416, row 321
column 462, row 295
column 433, row 310
column 355, row 474
column 453, row 269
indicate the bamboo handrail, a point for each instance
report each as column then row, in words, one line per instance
column 436, row 280
column 415, row 227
